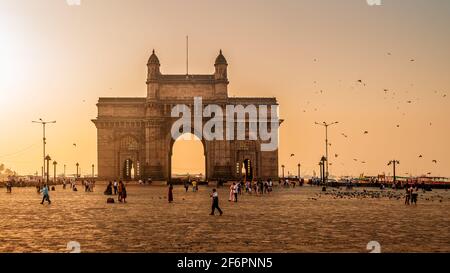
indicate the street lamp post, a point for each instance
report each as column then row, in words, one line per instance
column 77, row 169
column 44, row 142
column 64, row 170
column 326, row 144
column 92, row 171
column 394, row 163
column 282, row 170
column 48, row 158
column 298, row 165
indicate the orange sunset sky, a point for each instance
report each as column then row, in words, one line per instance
column 56, row 60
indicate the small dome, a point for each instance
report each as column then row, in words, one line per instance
column 153, row 59
column 221, row 59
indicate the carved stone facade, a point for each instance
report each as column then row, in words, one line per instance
column 134, row 134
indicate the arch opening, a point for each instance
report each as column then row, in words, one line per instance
column 188, row 158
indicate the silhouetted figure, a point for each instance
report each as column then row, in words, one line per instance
column 109, row 189
column 170, row 193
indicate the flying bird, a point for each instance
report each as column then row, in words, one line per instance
column 74, row 144
column 344, row 135
column 292, row 155
column 409, row 101
column 336, row 155
column 366, row 132
column 420, row 156
column 412, row 60
column 398, row 126
column 434, row 161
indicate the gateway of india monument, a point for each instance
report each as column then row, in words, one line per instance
column 134, row 138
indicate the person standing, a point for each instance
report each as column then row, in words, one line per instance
column 170, row 194
column 124, row 192
column 186, row 185
column 9, row 186
column 119, row 191
column 115, row 187
column 407, row 195
column 236, row 192
column 45, row 195
column 231, row 197
column 194, row 186
column 215, row 202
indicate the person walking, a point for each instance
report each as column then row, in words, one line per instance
column 186, row 185
column 236, row 192
column 215, row 202
column 170, row 194
column 45, row 195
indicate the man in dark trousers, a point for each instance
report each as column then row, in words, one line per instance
column 215, row 202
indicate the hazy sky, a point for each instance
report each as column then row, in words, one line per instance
column 56, row 60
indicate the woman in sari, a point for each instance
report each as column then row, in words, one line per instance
column 232, row 189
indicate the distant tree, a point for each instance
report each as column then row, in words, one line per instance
column 9, row 172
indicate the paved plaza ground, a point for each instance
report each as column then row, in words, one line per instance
column 289, row 220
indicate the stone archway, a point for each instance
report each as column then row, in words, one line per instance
column 138, row 128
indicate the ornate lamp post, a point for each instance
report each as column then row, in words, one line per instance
column 92, row 171
column 282, row 168
column 48, row 158
column 298, row 165
column 77, row 169
column 322, row 167
column 54, row 171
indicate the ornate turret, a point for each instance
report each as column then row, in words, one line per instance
column 221, row 68
column 152, row 76
column 220, row 76
column 153, row 67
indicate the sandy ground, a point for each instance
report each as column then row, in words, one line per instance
column 289, row 220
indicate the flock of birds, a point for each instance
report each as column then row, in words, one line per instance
column 374, row 194
column 386, row 92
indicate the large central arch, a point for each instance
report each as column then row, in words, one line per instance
column 186, row 139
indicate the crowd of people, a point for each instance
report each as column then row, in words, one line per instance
column 117, row 188
column 257, row 188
